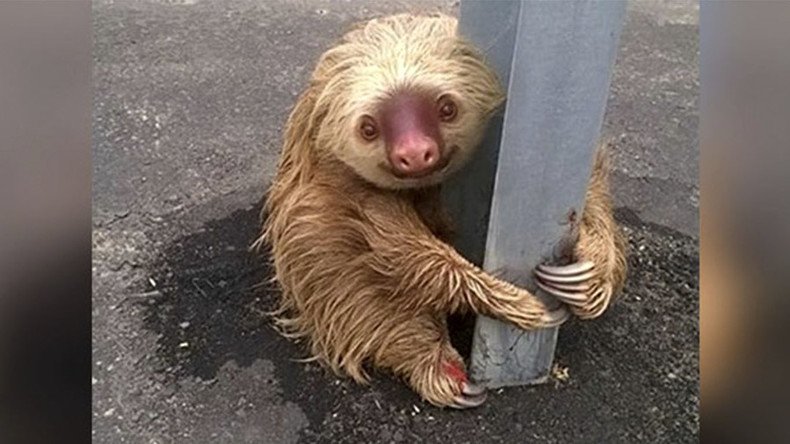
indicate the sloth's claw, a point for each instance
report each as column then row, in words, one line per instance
column 568, row 270
column 568, row 283
column 472, row 395
column 469, row 389
column 566, row 278
column 555, row 317
column 574, row 298
column 574, row 288
column 468, row 401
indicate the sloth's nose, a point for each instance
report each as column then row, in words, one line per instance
column 415, row 156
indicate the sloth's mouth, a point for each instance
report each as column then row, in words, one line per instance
column 439, row 168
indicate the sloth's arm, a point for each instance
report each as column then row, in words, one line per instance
column 424, row 272
column 589, row 285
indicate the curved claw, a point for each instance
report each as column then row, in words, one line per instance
column 567, row 270
column 582, row 288
column 467, row 388
column 555, row 317
column 563, row 279
column 597, row 307
column 577, row 299
column 467, row 402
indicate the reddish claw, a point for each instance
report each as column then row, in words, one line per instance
column 472, row 395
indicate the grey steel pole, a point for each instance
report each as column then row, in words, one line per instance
column 512, row 203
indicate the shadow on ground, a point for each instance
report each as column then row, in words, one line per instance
column 633, row 374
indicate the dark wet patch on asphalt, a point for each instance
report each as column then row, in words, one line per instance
column 213, row 308
column 210, row 311
column 635, row 370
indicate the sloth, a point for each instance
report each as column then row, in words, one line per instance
column 354, row 223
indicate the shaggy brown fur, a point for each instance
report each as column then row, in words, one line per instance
column 601, row 242
column 360, row 255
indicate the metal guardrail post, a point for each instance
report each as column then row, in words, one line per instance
column 511, row 204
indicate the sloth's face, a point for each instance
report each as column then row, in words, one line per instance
column 412, row 138
column 410, row 112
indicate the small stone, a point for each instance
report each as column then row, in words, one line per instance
column 184, row 324
column 183, row 345
column 109, row 412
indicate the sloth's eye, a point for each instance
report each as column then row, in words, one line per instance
column 368, row 129
column 447, row 109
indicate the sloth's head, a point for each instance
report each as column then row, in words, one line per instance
column 405, row 100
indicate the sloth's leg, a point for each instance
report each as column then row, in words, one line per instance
column 589, row 284
column 419, row 351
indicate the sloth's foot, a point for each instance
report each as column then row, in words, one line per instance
column 470, row 395
column 444, row 383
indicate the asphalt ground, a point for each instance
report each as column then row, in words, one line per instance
column 189, row 102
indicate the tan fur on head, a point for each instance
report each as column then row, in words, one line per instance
column 388, row 55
